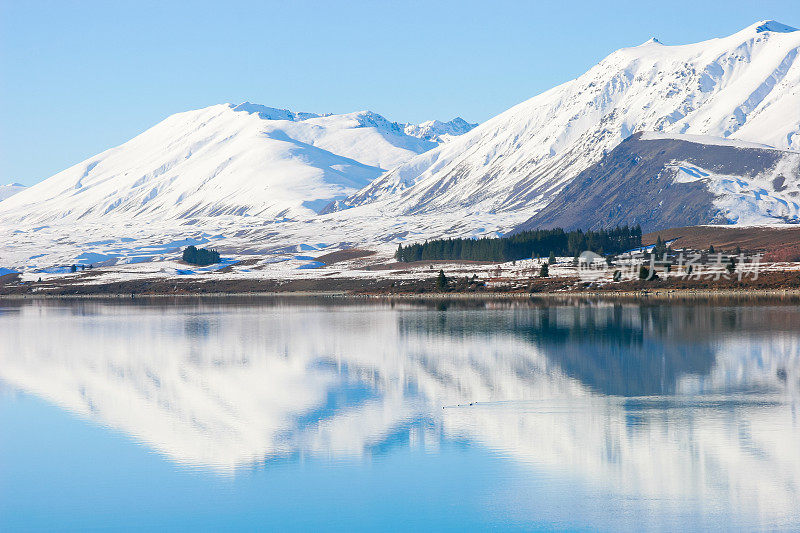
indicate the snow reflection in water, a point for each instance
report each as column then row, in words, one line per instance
column 661, row 401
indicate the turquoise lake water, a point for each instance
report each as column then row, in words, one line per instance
column 317, row 415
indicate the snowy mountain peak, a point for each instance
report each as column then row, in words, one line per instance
column 438, row 131
column 227, row 159
column 9, row 190
column 370, row 119
column 271, row 113
column 433, row 130
column 651, row 40
column 742, row 87
column 771, row 25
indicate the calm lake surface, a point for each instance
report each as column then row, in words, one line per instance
column 306, row 415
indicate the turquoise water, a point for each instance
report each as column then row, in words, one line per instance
column 309, row 416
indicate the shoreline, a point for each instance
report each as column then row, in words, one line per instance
column 659, row 294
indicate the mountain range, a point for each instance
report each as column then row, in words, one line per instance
column 662, row 136
column 745, row 86
column 246, row 159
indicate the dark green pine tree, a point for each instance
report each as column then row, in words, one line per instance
column 544, row 271
column 660, row 248
column 200, row 256
column 552, row 259
column 441, row 281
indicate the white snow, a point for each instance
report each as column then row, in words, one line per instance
column 10, row 189
column 251, row 179
column 701, row 139
column 743, row 87
column 751, row 200
column 245, row 160
column 436, row 130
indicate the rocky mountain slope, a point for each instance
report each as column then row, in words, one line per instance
column 662, row 181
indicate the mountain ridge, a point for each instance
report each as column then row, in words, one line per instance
column 227, row 159
column 257, row 178
column 10, row 189
column 431, row 130
column 743, row 86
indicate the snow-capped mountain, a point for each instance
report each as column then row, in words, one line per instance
column 10, row 189
column 224, row 159
column 264, row 180
column 438, row 131
column 745, row 86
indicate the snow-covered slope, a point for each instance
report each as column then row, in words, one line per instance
column 438, row 131
column 252, row 178
column 10, row 189
column 745, row 87
column 665, row 181
column 224, row 159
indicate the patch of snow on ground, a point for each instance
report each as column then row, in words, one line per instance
column 763, row 199
column 701, row 139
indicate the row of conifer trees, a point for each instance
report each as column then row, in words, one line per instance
column 526, row 244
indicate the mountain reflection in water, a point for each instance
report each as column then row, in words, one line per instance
column 666, row 400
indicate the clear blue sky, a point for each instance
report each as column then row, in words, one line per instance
column 77, row 78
